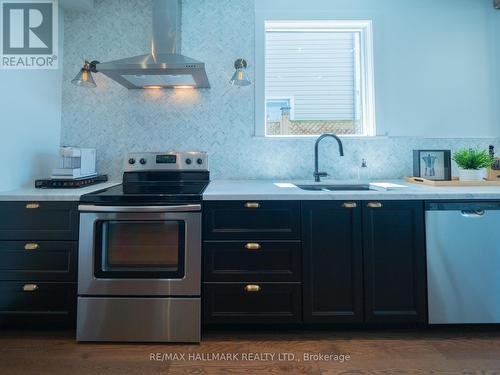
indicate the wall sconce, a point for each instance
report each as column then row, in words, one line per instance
column 240, row 76
column 84, row 77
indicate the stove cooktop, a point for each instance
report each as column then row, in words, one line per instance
column 147, row 195
column 157, row 179
column 145, row 188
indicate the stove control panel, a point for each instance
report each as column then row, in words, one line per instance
column 165, row 161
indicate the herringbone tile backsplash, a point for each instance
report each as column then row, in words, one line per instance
column 220, row 120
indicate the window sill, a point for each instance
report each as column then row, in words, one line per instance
column 295, row 137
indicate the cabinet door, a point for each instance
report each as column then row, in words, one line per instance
column 394, row 262
column 251, row 220
column 332, row 262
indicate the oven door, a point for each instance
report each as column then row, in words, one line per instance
column 140, row 251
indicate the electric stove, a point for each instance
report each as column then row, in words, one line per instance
column 139, row 260
column 157, row 179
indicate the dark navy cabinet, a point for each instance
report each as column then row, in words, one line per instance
column 40, row 260
column 332, row 262
column 273, row 261
column 42, row 304
column 314, row 262
column 394, row 262
column 46, row 220
column 236, row 220
column 38, row 263
column 252, row 303
column 252, row 262
column 364, row 262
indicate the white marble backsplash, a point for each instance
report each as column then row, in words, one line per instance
column 115, row 120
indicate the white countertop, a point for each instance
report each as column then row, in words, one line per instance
column 266, row 190
column 33, row 194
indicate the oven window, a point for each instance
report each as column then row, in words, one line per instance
column 139, row 249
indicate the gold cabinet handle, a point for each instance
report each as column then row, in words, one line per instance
column 31, row 246
column 252, row 246
column 349, row 205
column 32, row 205
column 374, row 205
column 30, row 287
column 252, row 205
column 252, row 288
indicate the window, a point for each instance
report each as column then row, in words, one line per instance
column 318, row 78
column 275, row 108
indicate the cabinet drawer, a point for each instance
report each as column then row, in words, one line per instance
column 39, row 221
column 38, row 261
column 247, row 220
column 252, row 261
column 251, row 303
column 37, row 303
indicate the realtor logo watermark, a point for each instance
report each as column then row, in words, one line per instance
column 29, row 37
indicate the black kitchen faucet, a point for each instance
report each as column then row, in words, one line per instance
column 317, row 174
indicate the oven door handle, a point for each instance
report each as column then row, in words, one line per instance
column 140, row 209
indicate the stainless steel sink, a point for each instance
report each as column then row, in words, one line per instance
column 317, row 187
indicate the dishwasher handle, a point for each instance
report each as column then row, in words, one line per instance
column 470, row 206
column 473, row 214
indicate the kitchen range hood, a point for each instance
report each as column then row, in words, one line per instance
column 164, row 67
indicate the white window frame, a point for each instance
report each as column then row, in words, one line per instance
column 364, row 27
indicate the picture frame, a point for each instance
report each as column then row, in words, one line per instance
column 432, row 165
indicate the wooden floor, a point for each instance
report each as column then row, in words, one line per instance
column 436, row 351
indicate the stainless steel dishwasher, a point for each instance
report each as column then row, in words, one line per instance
column 463, row 262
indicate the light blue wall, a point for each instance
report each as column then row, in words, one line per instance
column 433, row 61
column 456, row 99
column 30, row 123
column 496, row 42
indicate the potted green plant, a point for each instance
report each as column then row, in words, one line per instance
column 472, row 164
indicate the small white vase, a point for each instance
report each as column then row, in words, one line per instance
column 471, row 174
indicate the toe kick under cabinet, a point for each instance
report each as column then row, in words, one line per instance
column 38, row 263
column 252, row 262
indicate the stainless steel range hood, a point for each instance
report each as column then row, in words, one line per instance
column 164, row 67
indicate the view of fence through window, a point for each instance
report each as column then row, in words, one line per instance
column 315, row 79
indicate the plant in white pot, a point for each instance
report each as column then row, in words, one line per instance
column 472, row 164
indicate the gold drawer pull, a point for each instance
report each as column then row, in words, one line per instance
column 30, row 287
column 32, row 205
column 252, row 288
column 252, row 205
column 349, row 205
column 252, row 246
column 374, row 205
column 31, row 246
